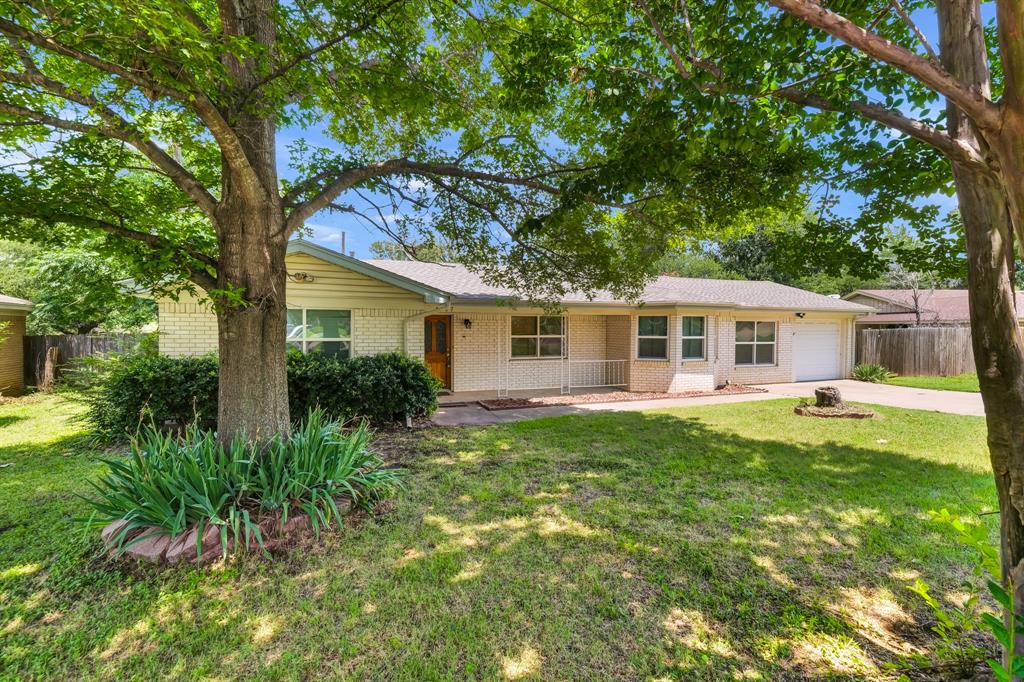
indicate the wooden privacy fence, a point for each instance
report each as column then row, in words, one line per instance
column 68, row 348
column 918, row 351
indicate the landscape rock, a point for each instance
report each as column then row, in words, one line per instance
column 152, row 547
column 211, row 550
column 111, row 531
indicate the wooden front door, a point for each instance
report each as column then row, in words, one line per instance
column 437, row 347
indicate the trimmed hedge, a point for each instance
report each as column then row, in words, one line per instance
column 144, row 389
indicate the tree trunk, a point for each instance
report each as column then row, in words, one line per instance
column 984, row 202
column 253, row 387
column 999, row 359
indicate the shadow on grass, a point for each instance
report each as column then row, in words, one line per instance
column 616, row 546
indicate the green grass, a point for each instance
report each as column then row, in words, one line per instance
column 959, row 382
column 701, row 543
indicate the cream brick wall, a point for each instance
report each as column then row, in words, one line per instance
column 187, row 327
column 780, row 372
column 588, row 337
column 671, row 375
column 376, row 330
column 475, row 351
column 190, row 328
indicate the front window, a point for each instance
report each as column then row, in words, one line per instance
column 322, row 331
column 755, row 343
column 652, row 337
column 693, row 338
column 538, row 336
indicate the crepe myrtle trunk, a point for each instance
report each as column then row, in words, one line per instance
column 999, row 359
column 988, row 204
column 253, row 386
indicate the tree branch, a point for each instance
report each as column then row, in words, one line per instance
column 915, row 29
column 663, row 39
column 114, row 129
column 51, row 45
column 955, row 150
column 197, row 101
column 984, row 112
column 157, row 244
column 326, row 45
column 353, row 176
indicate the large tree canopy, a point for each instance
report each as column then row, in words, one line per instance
column 198, row 137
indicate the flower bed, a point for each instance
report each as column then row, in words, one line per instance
column 192, row 498
column 609, row 397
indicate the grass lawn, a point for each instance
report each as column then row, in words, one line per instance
column 704, row 543
column 959, row 382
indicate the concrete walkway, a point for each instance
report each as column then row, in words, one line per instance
column 953, row 402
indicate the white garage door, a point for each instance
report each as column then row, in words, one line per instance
column 816, row 351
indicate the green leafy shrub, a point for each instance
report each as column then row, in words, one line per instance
column 134, row 389
column 178, row 482
column 382, row 388
column 872, row 373
column 959, row 627
column 138, row 389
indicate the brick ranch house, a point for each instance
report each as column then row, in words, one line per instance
column 686, row 334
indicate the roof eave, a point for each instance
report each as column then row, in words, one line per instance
column 497, row 300
column 430, row 294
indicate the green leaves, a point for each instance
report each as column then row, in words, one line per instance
column 177, row 483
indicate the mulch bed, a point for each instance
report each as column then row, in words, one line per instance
column 611, row 397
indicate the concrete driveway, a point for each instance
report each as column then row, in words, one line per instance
column 953, row 402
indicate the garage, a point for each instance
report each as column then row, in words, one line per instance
column 816, row 351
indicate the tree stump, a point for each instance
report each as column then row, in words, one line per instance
column 830, row 404
column 51, row 368
column 827, row 396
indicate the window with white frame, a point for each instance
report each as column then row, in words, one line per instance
column 322, row 331
column 652, row 337
column 694, row 334
column 538, row 336
column 755, row 343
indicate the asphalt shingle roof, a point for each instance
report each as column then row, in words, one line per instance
column 461, row 283
column 937, row 305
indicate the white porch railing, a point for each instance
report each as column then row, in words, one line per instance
column 564, row 374
column 596, row 373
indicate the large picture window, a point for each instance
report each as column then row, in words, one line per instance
column 322, row 331
column 652, row 337
column 755, row 343
column 538, row 336
column 694, row 333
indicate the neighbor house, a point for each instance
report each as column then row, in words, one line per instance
column 894, row 308
column 13, row 312
column 686, row 334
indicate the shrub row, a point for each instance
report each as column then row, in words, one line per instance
column 138, row 389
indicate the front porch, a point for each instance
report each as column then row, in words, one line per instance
column 518, row 355
column 448, row 398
